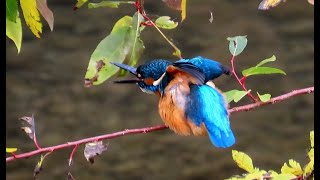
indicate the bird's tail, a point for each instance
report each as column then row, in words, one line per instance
column 208, row 106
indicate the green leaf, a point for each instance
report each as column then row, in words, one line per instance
column 164, row 22
column 312, row 138
column 11, row 150
column 283, row 177
column 134, row 42
column 271, row 59
column 122, row 44
column 80, row 3
column 45, row 12
column 11, row 10
column 239, row 95
column 14, row 32
column 243, row 161
column 237, row 44
column 183, row 10
column 230, row 95
column 264, row 97
column 261, row 70
column 110, row 4
column 235, row 95
column 294, row 169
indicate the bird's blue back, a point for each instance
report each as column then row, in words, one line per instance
column 211, row 69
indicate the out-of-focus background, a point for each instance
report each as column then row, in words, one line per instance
column 47, row 79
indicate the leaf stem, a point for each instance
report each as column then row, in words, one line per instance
column 241, row 81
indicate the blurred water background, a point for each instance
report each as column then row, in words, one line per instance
column 47, row 79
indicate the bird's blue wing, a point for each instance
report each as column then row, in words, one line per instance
column 191, row 69
column 211, row 69
column 207, row 105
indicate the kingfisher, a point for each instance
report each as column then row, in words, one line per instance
column 189, row 103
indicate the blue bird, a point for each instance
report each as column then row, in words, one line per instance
column 189, row 103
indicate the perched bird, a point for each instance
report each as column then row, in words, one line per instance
column 188, row 103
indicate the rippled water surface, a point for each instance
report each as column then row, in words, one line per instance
column 46, row 79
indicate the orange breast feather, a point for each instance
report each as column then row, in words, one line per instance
column 173, row 102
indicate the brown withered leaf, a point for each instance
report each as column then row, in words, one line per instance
column 28, row 126
column 93, row 149
column 267, row 4
column 173, row 4
column 45, row 12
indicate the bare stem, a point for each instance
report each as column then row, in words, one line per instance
column 151, row 129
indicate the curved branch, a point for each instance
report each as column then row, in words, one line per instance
column 154, row 128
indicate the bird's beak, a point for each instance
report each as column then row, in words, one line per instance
column 132, row 70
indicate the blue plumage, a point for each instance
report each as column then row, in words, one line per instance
column 187, row 104
column 207, row 105
column 211, row 69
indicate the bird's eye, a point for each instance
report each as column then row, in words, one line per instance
column 139, row 75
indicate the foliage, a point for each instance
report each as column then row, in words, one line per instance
column 31, row 10
column 124, row 45
column 291, row 171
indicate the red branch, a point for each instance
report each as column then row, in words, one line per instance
column 154, row 128
column 242, row 80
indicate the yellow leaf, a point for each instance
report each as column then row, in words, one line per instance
column 31, row 16
column 312, row 138
column 11, row 150
column 183, row 10
column 255, row 175
column 308, row 168
column 294, row 169
column 243, row 161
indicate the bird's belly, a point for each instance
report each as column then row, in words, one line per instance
column 172, row 111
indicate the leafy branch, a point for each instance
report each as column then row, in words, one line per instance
column 75, row 144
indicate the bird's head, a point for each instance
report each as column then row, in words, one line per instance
column 146, row 75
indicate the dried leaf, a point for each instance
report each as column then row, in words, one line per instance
column 45, row 12
column 173, row 4
column 311, row 2
column 31, row 16
column 29, row 126
column 267, row 4
column 93, row 149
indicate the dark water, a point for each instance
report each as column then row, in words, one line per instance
column 46, row 79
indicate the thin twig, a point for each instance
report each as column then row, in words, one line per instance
column 154, row 128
